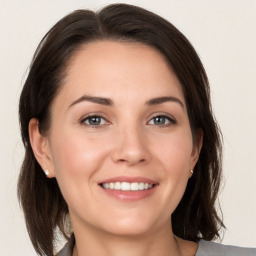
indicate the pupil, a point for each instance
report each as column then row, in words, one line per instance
column 160, row 120
column 94, row 120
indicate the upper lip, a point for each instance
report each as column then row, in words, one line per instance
column 128, row 179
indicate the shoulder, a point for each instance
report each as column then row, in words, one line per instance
column 212, row 249
column 67, row 250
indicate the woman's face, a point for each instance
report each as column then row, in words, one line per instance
column 120, row 142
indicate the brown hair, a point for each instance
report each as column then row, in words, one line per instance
column 44, row 207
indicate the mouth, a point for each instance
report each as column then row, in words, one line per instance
column 129, row 188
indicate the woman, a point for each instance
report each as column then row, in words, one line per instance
column 119, row 136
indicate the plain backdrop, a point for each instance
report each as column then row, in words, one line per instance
column 224, row 35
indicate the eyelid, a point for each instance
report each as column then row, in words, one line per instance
column 82, row 120
column 85, row 117
column 168, row 116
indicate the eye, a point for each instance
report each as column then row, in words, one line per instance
column 162, row 120
column 94, row 120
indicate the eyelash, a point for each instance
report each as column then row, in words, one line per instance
column 90, row 117
column 171, row 121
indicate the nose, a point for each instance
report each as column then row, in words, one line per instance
column 131, row 147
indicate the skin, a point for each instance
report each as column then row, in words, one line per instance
column 128, row 141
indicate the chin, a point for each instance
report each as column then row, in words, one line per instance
column 130, row 226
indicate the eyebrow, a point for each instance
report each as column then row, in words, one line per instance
column 109, row 102
column 98, row 100
column 160, row 100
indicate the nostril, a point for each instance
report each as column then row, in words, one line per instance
column 130, row 154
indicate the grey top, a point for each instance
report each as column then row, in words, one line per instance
column 205, row 248
column 211, row 249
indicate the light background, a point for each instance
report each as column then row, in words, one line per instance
column 224, row 35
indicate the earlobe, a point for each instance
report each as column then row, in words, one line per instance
column 41, row 148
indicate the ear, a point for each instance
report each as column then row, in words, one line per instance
column 198, row 142
column 41, row 148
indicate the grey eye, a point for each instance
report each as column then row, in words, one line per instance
column 161, row 120
column 94, row 120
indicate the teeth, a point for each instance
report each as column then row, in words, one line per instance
column 127, row 186
column 105, row 185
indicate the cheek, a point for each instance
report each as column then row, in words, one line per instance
column 174, row 158
column 175, row 153
column 76, row 159
column 76, row 154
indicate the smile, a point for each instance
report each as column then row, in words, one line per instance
column 127, row 186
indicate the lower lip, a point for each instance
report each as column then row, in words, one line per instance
column 129, row 195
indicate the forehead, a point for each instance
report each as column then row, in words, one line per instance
column 109, row 68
